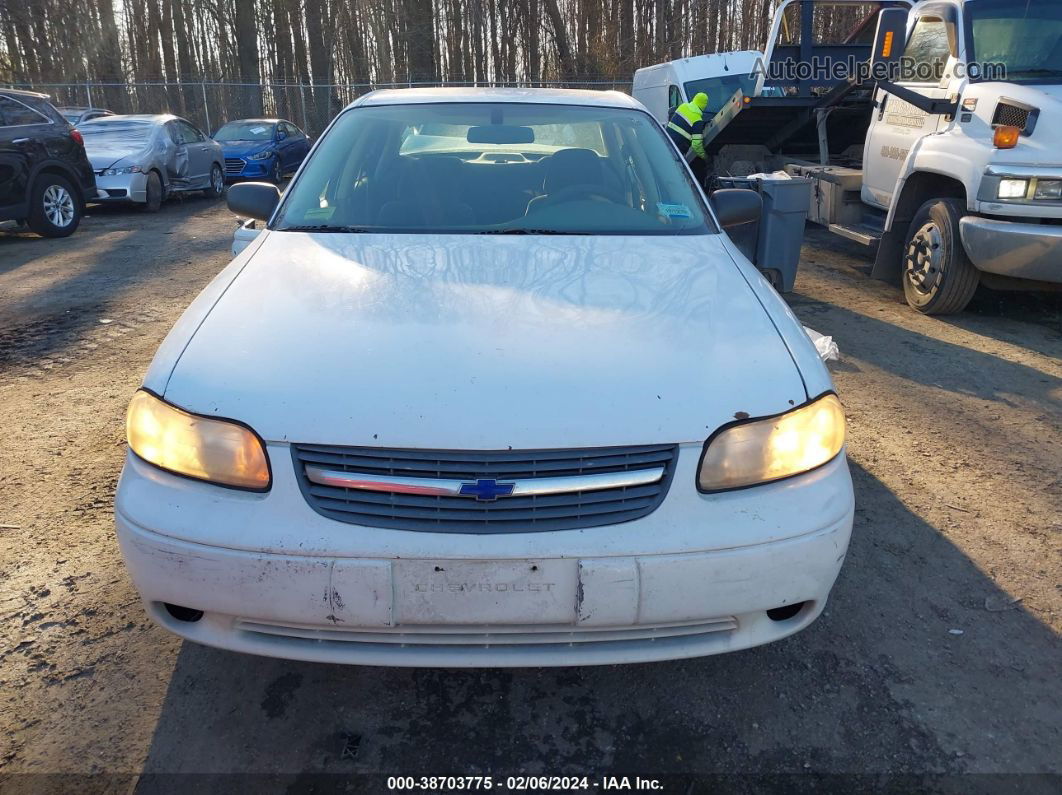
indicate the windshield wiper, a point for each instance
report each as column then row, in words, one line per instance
column 325, row 228
column 523, row 231
column 1035, row 73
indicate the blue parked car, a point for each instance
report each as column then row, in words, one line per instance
column 261, row 148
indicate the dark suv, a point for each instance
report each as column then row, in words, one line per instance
column 45, row 177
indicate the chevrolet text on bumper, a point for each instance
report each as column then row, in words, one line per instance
column 579, row 429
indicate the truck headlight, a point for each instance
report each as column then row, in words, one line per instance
column 204, row 448
column 759, row 451
column 1013, row 188
column 260, row 155
column 1048, row 189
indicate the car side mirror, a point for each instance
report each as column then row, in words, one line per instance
column 254, row 199
column 281, row 135
column 736, row 207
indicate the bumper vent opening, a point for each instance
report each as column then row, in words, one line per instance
column 187, row 614
column 785, row 612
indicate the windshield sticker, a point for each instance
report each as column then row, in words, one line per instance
column 673, row 210
column 257, row 130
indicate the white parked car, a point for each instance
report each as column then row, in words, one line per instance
column 507, row 399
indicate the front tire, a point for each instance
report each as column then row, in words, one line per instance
column 55, row 210
column 276, row 174
column 938, row 277
column 217, row 183
column 154, row 193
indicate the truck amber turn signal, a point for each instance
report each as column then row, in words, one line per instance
column 1006, row 137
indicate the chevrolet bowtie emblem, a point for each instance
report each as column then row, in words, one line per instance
column 487, row 490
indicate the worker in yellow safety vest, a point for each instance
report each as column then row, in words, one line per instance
column 686, row 128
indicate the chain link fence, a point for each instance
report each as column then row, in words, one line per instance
column 209, row 104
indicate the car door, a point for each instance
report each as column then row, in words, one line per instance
column 20, row 149
column 300, row 146
column 897, row 125
column 284, row 146
column 199, row 154
column 177, row 164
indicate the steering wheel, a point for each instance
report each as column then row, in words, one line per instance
column 574, row 192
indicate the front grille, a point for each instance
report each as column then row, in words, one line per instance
column 515, row 514
column 1011, row 116
column 233, row 165
column 490, row 636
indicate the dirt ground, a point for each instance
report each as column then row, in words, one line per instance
column 938, row 654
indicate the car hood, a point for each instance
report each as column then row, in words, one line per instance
column 237, row 148
column 486, row 342
column 106, row 155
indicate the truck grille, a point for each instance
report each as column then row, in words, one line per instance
column 561, row 510
column 233, row 165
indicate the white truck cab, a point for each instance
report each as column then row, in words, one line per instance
column 971, row 185
column 952, row 170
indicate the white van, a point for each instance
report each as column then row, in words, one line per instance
column 663, row 87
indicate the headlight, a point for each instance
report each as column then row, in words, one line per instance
column 260, row 155
column 114, row 172
column 1048, row 189
column 199, row 447
column 759, row 451
column 1013, row 188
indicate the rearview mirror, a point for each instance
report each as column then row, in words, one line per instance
column 736, row 207
column 500, row 134
column 254, row 200
column 889, row 42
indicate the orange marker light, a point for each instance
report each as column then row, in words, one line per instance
column 748, row 100
column 1006, row 137
column 886, row 48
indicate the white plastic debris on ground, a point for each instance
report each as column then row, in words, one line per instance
column 827, row 348
column 772, row 175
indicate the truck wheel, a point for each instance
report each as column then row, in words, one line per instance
column 55, row 210
column 938, row 277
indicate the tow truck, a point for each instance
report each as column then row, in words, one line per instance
column 927, row 129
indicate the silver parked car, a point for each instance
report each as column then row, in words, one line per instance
column 79, row 115
column 144, row 159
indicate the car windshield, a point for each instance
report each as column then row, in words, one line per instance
column 1025, row 37
column 101, row 131
column 720, row 90
column 72, row 115
column 495, row 168
column 245, row 131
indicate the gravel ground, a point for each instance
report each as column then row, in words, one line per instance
column 938, row 654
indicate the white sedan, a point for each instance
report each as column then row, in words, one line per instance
column 506, row 396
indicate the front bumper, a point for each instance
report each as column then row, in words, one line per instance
column 121, row 188
column 673, row 584
column 244, row 168
column 1009, row 248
